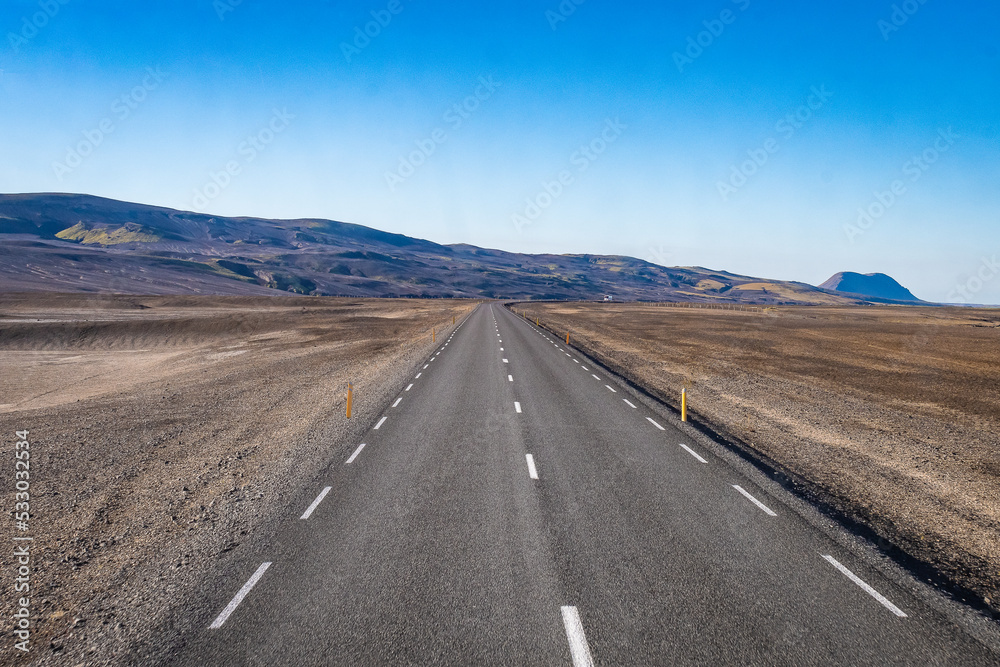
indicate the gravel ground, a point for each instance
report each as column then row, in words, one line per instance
column 168, row 435
column 888, row 416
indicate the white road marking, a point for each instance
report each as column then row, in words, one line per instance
column 693, row 453
column 315, row 503
column 505, row 361
column 532, row 472
column 517, row 406
column 612, row 390
column 425, row 366
column 754, row 500
column 397, row 401
column 650, row 419
column 594, row 376
column 628, row 402
column 865, row 587
column 418, row 375
column 235, row 602
column 578, row 648
column 501, row 349
column 584, row 368
column 355, row 454
column 380, row 422
column 576, row 361
column 408, row 387
column 568, row 354
column 510, row 378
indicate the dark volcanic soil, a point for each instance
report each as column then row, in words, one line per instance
column 890, row 414
column 167, row 432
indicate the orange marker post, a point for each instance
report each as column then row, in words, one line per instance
column 350, row 396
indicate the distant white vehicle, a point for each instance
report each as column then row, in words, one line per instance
column 608, row 297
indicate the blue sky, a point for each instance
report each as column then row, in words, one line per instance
column 741, row 135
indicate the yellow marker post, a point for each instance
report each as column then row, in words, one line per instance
column 350, row 396
column 536, row 321
column 452, row 319
column 684, row 405
column 567, row 339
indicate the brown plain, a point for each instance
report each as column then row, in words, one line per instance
column 891, row 414
column 167, row 432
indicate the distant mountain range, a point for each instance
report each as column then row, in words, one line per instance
column 877, row 285
column 81, row 243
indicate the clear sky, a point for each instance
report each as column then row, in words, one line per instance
column 741, row 135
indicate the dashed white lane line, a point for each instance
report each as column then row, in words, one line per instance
column 408, row 387
column 501, row 349
column 693, row 453
column 650, row 420
column 584, row 368
column 865, row 587
column 315, row 503
column 628, row 403
column 611, row 388
column 397, row 401
column 594, row 376
column 578, row 648
column 380, row 422
column 235, row 602
column 355, row 454
column 510, row 378
column 576, row 360
column 754, row 500
column 418, row 375
column 425, row 366
column 505, row 361
column 532, row 471
column 568, row 354
column 517, row 407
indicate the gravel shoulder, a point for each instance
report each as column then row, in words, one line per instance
column 169, row 434
column 890, row 416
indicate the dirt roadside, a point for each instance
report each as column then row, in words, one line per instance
column 891, row 416
column 166, row 432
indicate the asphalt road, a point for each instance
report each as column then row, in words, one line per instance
column 514, row 507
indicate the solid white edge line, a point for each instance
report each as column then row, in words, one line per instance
column 628, row 402
column 611, row 388
column 532, row 471
column 578, row 648
column 238, row 598
column 756, row 502
column 865, row 587
column 397, row 401
column 517, row 406
column 315, row 503
column 380, row 422
column 410, row 386
column 693, row 453
column 650, row 420
column 355, row 454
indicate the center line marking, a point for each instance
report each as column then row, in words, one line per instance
column 517, row 406
column 532, row 472
column 693, row 453
column 628, row 402
column 235, row 602
column 650, row 419
column 578, row 648
column 397, row 401
column 510, row 378
column 612, row 390
column 865, row 587
column 408, row 387
column 380, row 422
column 754, row 500
column 315, row 503
column 355, row 454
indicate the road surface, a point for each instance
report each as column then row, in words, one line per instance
column 513, row 505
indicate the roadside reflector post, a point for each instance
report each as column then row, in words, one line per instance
column 452, row 319
column 536, row 321
column 350, row 398
column 567, row 339
column 433, row 338
column 684, row 405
